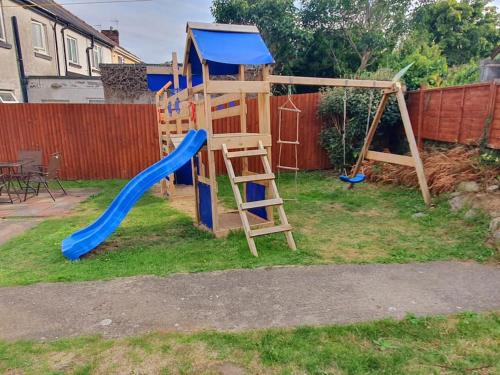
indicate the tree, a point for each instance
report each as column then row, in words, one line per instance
column 464, row 30
column 370, row 28
column 278, row 22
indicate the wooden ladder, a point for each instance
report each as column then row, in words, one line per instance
column 243, row 207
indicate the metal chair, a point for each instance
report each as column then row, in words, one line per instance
column 31, row 164
column 45, row 175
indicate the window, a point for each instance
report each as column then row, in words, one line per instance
column 2, row 26
column 96, row 57
column 39, row 32
column 72, row 50
column 7, row 97
column 121, row 60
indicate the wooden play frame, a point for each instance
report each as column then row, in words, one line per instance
column 200, row 105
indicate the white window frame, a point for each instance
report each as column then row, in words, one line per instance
column 121, row 59
column 3, row 37
column 76, row 58
column 97, row 56
column 43, row 29
column 10, row 93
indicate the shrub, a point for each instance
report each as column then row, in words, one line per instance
column 330, row 111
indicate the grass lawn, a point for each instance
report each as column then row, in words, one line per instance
column 462, row 344
column 368, row 224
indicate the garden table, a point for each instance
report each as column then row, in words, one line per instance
column 14, row 170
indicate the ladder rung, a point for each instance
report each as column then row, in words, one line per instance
column 285, row 167
column 288, row 142
column 239, row 154
column 254, row 177
column 262, row 203
column 270, row 230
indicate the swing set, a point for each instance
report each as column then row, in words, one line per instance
column 388, row 88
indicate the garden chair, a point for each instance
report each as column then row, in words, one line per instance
column 45, row 175
column 5, row 185
column 31, row 164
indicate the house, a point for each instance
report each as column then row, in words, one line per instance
column 120, row 55
column 47, row 54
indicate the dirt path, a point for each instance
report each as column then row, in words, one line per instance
column 246, row 299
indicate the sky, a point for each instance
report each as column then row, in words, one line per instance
column 150, row 29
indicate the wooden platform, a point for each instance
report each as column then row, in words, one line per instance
column 229, row 220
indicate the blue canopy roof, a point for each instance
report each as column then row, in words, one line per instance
column 225, row 50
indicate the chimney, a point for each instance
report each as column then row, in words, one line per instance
column 112, row 34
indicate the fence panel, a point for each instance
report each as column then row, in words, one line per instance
column 97, row 141
column 100, row 141
column 463, row 114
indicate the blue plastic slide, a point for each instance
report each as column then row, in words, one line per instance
column 88, row 238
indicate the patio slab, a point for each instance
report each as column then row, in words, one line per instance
column 17, row 218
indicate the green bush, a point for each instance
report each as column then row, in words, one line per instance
column 330, row 111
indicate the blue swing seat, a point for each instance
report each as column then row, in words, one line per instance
column 360, row 177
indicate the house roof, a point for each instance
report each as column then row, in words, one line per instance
column 225, row 47
column 64, row 15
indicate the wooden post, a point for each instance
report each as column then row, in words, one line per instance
column 175, row 70
column 211, row 153
column 243, row 125
column 189, row 85
column 439, row 113
column 264, row 104
column 491, row 111
column 461, row 121
column 419, row 167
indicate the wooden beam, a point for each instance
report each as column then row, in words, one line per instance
column 335, row 82
column 211, row 154
column 419, row 167
column 226, row 112
column 239, row 140
column 227, row 87
column 390, row 158
column 222, row 27
column 223, row 99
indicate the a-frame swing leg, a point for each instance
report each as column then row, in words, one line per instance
column 415, row 155
column 370, row 135
column 419, row 167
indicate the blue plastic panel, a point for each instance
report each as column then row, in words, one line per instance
column 256, row 192
column 205, row 204
column 184, row 174
column 224, row 51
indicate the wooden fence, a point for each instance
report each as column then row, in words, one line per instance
column 463, row 114
column 100, row 141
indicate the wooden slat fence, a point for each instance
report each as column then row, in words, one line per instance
column 463, row 114
column 101, row 141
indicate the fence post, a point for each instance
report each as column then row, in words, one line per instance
column 491, row 112
column 421, row 99
column 461, row 120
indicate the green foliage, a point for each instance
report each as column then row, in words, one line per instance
column 368, row 28
column 330, row 111
column 325, row 38
column 278, row 22
column 429, row 66
column 464, row 30
column 462, row 74
column 491, row 157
